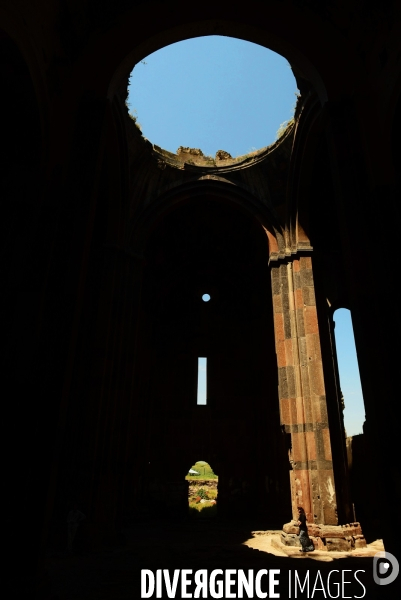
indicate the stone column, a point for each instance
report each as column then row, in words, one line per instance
column 302, row 396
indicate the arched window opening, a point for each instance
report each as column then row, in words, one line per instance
column 202, row 490
column 350, row 382
column 221, row 96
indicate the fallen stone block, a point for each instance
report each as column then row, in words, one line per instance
column 318, row 543
column 314, row 530
column 337, row 544
column 334, row 532
column 290, row 539
column 291, row 527
column 359, row 541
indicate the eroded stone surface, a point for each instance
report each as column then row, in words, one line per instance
column 290, row 539
column 193, row 151
column 222, row 155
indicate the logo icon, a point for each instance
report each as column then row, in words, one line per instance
column 385, row 568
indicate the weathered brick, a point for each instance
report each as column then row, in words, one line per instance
column 294, row 327
column 306, row 278
column 311, row 445
column 308, row 294
column 275, row 272
column 297, row 281
column 310, row 318
column 281, row 354
column 310, row 347
column 299, row 447
column 302, row 350
column 316, row 378
column 277, row 303
column 318, row 348
column 282, row 382
column 300, row 322
column 320, row 448
column 323, row 408
column 284, row 280
column 291, row 381
column 289, row 353
column 300, row 408
column 313, row 347
column 293, row 409
column 285, row 302
column 298, row 384
column 305, row 262
column 287, row 324
column 279, row 326
column 296, row 265
column 305, row 380
column 298, row 298
column 326, row 444
column 276, row 282
column 287, row 411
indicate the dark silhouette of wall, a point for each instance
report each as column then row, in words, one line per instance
column 82, row 195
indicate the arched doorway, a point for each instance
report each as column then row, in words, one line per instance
column 202, row 490
column 209, row 245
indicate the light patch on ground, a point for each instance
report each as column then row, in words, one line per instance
column 270, row 542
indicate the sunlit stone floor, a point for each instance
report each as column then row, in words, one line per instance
column 114, row 572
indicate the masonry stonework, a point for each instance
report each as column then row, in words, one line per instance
column 301, row 390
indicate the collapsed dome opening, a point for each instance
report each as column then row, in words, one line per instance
column 222, row 96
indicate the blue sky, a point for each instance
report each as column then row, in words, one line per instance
column 219, row 93
column 213, row 93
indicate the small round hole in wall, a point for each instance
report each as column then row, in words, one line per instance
column 206, row 297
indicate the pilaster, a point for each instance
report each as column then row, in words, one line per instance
column 302, row 396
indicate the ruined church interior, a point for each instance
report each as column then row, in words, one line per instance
column 110, row 242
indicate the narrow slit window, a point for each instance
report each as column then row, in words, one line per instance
column 202, row 381
column 354, row 409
